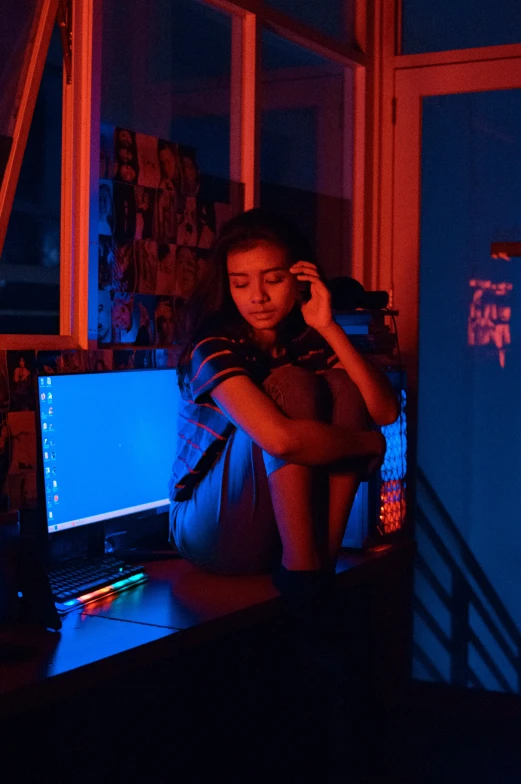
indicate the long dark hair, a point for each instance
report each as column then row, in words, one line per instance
column 212, row 309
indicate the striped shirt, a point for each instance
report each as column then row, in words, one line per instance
column 202, row 428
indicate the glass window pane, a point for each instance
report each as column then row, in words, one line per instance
column 335, row 18
column 304, row 171
column 166, row 73
column 18, row 20
column 445, row 25
column 30, row 272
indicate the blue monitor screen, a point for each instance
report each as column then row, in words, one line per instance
column 108, row 443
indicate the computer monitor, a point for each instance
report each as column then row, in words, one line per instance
column 108, row 443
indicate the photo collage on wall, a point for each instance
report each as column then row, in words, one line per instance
column 155, row 231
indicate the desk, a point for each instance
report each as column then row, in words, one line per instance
column 179, row 606
column 180, row 609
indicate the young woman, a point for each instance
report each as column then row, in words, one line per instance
column 277, row 412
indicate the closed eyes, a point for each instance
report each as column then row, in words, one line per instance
column 269, row 282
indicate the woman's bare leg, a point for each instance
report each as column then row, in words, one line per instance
column 300, row 512
column 342, row 491
column 349, row 411
column 295, row 508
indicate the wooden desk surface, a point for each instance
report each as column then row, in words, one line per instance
column 179, row 606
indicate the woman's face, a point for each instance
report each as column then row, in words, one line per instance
column 261, row 285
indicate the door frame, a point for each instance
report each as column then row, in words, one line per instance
column 411, row 85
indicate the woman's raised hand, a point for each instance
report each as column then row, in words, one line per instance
column 317, row 310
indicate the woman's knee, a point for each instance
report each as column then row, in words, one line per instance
column 298, row 392
column 348, row 406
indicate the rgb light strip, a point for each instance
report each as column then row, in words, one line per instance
column 116, row 587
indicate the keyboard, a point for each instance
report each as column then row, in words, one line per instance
column 82, row 580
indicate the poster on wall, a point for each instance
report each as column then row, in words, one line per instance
column 156, row 227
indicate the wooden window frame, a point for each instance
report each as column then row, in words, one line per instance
column 76, row 173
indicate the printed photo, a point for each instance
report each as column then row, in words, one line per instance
column 169, row 166
column 133, row 319
column 161, row 358
column 106, row 263
column 187, row 222
column 143, row 358
column 99, row 361
column 5, row 448
column 146, row 252
column 124, row 322
column 148, row 161
column 71, row 361
column 124, row 203
column 206, row 224
column 165, row 283
column 104, row 317
column 145, row 213
column 46, row 362
column 22, row 435
column 202, row 263
column 124, row 359
column 165, row 321
column 166, row 216
column 105, row 214
column 4, row 382
column 22, row 489
column 125, row 156
column 185, row 272
column 21, row 368
column 190, row 176
column 106, row 168
column 124, row 273
column 146, row 331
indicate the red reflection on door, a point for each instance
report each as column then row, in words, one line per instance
column 489, row 315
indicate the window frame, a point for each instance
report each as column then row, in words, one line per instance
column 80, row 142
column 76, row 172
column 249, row 18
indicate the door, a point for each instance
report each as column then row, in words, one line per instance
column 457, row 271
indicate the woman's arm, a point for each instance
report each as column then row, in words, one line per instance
column 301, row 441
column 376, row 389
